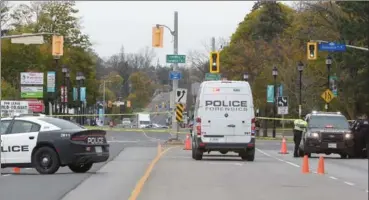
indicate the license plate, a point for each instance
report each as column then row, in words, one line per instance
column 214, row 139
column 332, row 145
column 98, row 149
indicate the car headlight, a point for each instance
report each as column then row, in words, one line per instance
column 314, row 135
column 348, row 136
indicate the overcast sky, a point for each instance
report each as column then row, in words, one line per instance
column 113, row 24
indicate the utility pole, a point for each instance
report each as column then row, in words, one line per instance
column 175, row 127
column 103, row 103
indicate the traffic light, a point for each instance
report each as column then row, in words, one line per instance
column 312, row 51
column 214, row 63
column 57, row 45
column 157, row 36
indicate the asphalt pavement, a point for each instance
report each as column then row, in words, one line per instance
column 125, row 147
column 130, row 172
column 138, row 169
column 270, row 176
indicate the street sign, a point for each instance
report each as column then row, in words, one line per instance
column 9, row 108
column 332, row 47
column 282, row 101
column 181, row 96
column 179, row 112
column 282, row 110
column 27, row 40
column 212, row 77
column 173, row 75
column 176, row 58
column 327, row 95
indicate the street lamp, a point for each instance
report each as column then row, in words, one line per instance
column 79, row 78
column 64, row 89
column 328, row 62
column 300, row 68
column 83, row 101
column 67, row 75
column 275, row 74
column 246, row 76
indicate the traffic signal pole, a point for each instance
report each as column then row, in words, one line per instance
column 350, row 46
column 175, row 127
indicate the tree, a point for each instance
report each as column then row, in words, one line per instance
column 142, row 89
column 274, row 34
column 4, row 13
column 54, row 17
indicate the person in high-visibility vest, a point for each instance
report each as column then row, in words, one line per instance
column 299, row 126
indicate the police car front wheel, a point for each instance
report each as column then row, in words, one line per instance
column 46, row 160
column 80, row 168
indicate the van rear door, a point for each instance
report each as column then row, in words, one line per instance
column 226, row 111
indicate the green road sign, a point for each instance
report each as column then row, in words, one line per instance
column 176, row 58
column 32, row 95
column 212, row 77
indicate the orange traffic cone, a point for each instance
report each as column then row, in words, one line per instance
column 321, row 165
column 187, row 143
column 305, row 165
column 16, row 170
column 284, row 147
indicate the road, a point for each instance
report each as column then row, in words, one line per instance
column 271, row 176
column 158, row 100
column 137, row 169
column 177, row 176
column 136, row 150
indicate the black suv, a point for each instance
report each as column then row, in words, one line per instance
column 328, row 133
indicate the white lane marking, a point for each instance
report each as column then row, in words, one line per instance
column 349, row 183
column 6, row 175
column 293, row 164
column 151, row 138
column 296, row 165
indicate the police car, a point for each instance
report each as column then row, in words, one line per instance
column 327, row 132
column 47, row 143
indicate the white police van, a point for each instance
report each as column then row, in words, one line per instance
column 224, row 119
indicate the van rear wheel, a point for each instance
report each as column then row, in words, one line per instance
column 197, row 154
column 248, row 155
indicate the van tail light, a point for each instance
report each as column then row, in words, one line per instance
column 198, row 126
column 253, row 126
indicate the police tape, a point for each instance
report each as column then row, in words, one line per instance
column 135, row 129
column 278, row 119
column 157, row 113
column 285, row 119
column 96, row 115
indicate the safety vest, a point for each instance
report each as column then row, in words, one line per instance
column 299, row 124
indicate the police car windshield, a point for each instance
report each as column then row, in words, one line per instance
column 61, row 123
column 324, row 121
